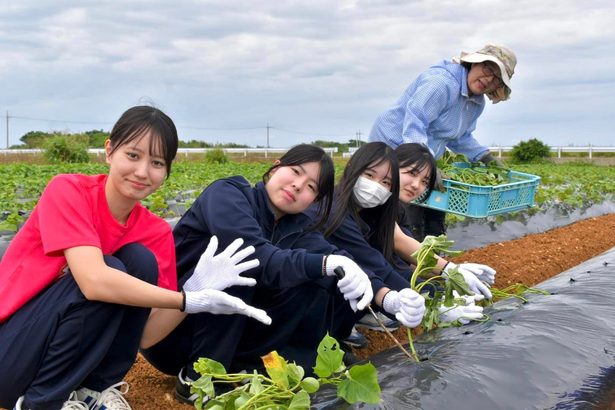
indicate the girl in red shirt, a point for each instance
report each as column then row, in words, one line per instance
column 78, row 281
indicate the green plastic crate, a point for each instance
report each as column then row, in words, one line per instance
column 477, row 201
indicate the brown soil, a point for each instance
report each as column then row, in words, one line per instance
column 528, row 260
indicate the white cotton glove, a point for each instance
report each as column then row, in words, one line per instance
column 482, row 272
column 354, row 285
column 407, row 306
column 464, row 311
column 222, row 271
column 220, row 303
column 473, row 282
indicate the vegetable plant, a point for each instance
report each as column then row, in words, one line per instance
column 516, row 290
column 472, row 173
column 285, row 385
column 434, row 288
column 441, row 291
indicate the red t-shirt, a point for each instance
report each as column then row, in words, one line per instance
column 73, row 211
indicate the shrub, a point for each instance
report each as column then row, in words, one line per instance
column 65, row 149
column 216, row 156
column 532, row 150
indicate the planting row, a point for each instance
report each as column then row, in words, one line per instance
column 568, row 186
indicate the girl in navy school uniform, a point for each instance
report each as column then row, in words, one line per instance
column 364, row 224
column 78, row 280
column 417, row 169
column 293, row 284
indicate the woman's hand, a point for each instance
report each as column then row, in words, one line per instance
column 464, row 310
column 475, row 284
column 355, row 285
column 407, row 306
column 220, row 303
column 222, row 271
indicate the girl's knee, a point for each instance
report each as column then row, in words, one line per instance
column 138, row 261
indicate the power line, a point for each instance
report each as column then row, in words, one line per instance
column 309, row 133
column 220, row 129
column 186, row 127
column 101, row 122
column 63, row 121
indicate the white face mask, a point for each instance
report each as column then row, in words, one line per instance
column 370, row 193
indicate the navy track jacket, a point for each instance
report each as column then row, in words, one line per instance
column 231, row 208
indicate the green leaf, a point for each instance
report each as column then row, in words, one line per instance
column 361, row 385
column 255, row 384
column 329, row 359
column 241, row 400
column 300, row 401
column 456, row 282
column 203, row 387
column 295, row 373
column 214, row 405
column 431, row 317
column 208, row 366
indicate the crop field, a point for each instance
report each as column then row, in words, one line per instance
column 575, row 185
column 572, row 186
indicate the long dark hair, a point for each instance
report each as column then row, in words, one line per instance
column 385, row 215
column 301, row 154
column 418, row 157
column 138, row 121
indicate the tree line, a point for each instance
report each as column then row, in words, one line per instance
column 97, row 138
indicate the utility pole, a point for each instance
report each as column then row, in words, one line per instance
column 358, row 136
column 268, row 135
column 7, row 129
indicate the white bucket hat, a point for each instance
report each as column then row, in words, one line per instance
column 500, row 55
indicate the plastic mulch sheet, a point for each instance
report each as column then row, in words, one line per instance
column 474, row 233
column 555, row 352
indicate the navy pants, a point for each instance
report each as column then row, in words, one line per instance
column 60, row 341
column 422, row 221
column 301, row 316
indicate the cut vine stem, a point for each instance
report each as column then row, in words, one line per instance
column 393, row 338
column 339, row 273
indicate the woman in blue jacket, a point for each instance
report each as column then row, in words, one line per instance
column 440, row 110
column 292, row 282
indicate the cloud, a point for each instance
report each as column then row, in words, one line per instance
column 318, row 67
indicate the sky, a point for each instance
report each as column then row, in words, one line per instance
column 285, row 72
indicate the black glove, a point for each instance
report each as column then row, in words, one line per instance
column 488, row 159
column 438, row 185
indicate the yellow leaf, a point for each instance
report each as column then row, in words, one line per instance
column 276, row 368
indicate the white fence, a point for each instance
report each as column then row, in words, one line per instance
column 559, row 150
column 180, row 151
column 590, row 150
